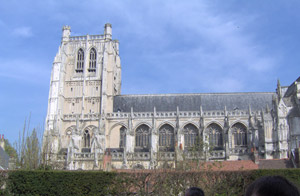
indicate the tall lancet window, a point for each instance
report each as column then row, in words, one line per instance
column 142, row 137
column 86, row 139
column 215, row 136
column 190, row 135
column 80, row 61
column 122, row 137
column 93, row 60
column 239, row 132
column 166, row 138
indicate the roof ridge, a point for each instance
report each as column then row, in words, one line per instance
column 179, row 94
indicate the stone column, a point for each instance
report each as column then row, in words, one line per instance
column 226, row 133
column 130, row 134
column 154, row 142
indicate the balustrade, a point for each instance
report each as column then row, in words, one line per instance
column 140, row 156
column 84, row 155
column 193, row 155
column 166, row 155
column 118, row 115
column 117, row 156
column 239, row 150
column 217, row 154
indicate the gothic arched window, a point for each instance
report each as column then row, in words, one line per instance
column 122, row 137
column 142, row 136
column 93, row 60
column 239, row 133
column 86, row 139
column 190, row 135
column 166, row 137
column 215, row 136
column 80, row 61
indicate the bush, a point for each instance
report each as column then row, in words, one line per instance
column 140, row 182
column 60, row 183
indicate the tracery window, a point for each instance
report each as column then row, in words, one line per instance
column 122, row 137
column 215, row 136
column 190, row 135
column 86, row 139
column 166, row 137
column 80, row 61
column 93, row 60
column 239, row 132
column 142, row 136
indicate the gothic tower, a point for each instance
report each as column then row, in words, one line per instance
column 86, row 74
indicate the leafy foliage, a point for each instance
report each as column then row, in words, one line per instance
column 141, row 182
column 28, row 147
column 60, row 183
column 11, row 151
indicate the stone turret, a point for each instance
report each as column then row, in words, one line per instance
column 66, row 31
column 2, row 142
column 108, row 31
column 278, row 90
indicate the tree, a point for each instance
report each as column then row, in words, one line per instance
column 32, row 151
column 11, row 151
column 28, row 148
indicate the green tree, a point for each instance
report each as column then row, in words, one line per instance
column 28, row 147
column 32, row 151
column 9, row 149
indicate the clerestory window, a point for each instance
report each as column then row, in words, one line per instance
column 215, row 136
column 239, row 132
column 142, row 136
column 93, row 60
column 80, row 61
column 191, row 135
column 122, row 137
column 166, row 138
column 86, row 139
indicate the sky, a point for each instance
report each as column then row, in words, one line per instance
column 169, row 46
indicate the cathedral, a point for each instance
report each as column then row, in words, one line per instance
column 90, row 125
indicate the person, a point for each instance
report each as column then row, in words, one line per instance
column 194, row 191
column 272, row 186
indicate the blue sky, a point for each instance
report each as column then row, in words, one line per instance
column 166, row 46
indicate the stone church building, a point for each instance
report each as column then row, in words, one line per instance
column 91, row 125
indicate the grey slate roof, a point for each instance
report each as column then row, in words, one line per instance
column 4, row 159
column 291, row 88
column 192, row 102
column 275, row 164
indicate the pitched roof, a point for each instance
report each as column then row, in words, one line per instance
column 4, row 159
column 275, row 164
column 192, row 102
column 232, row 165
column 291, row 89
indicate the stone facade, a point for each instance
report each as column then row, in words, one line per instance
column 90, row 125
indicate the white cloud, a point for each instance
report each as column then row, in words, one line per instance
column 23, row 32
column 222, row 47
column 24, row 71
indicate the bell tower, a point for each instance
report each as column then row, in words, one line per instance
column 86, row 75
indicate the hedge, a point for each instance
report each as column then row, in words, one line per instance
column 60, row 183
column 150, row 182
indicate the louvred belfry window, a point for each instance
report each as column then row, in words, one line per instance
column 80, row 61
column 93, row 60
